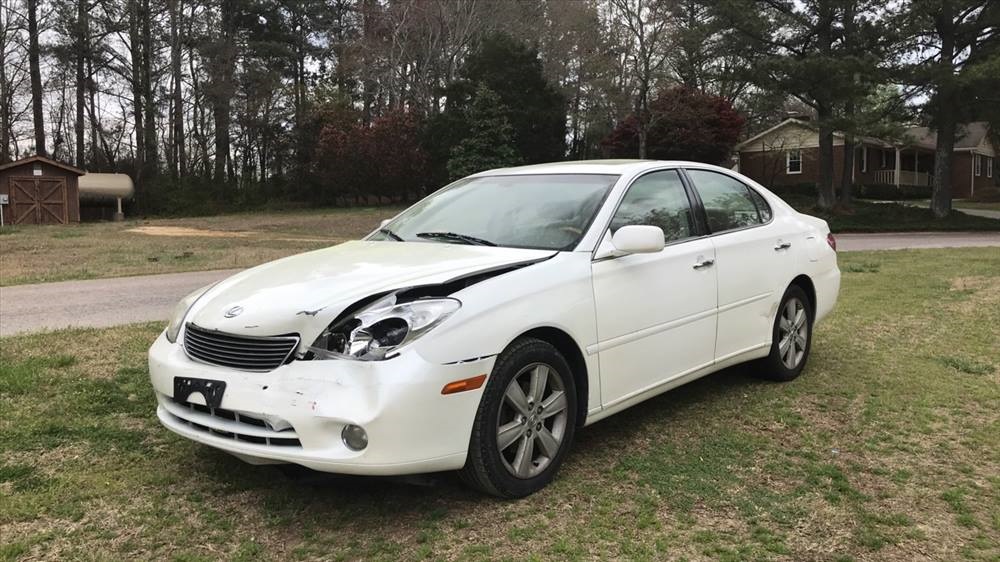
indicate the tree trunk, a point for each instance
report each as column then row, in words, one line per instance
column 827, row 197
column 36, row 78
column 846, row 180
column 941, row 192
column 81, row 78
column 4, row 112
column 180, row 158
column 642, row 116
column 222, row 91
column 135, row 53
column 100, row 154
column 945, row 116
column 152, row 159
column 824, row 180
column 369, row 86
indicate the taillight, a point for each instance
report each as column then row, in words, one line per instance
column 831, row 241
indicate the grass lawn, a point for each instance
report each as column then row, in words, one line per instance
column 965, row 204
column 977, row 205
column 887, row 448
column 35, row 254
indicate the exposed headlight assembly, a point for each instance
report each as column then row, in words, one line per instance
column 375, row 331
column 181, row 310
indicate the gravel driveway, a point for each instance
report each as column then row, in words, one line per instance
column 124, row 300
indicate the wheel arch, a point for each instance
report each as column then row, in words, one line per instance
column 568, row 348
column 805, row 283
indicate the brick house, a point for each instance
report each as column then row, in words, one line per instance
column 788, row 155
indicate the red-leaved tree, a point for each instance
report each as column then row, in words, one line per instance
column 685, row 124
column 384, row 159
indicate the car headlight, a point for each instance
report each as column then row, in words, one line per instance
column 376, row 330
column 181, row 310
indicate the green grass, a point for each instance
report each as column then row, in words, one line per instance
column 967, row 204
column 887, row 448
column 864, row 216
column 986, row 206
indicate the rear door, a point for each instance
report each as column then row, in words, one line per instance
column 754, row 260
column 655, row 312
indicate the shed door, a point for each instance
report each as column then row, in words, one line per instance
column 38, row 200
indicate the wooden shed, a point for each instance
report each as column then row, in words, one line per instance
column 40, row 190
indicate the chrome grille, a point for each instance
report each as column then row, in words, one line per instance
column 239, row 352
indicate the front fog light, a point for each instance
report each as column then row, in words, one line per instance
column 354, row 437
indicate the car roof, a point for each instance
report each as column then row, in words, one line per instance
column 616, row 167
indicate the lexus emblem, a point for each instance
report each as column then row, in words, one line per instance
column 233, row 312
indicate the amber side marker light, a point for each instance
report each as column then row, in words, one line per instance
column 463, row 385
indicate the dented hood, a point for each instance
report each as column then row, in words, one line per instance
column 304, row 293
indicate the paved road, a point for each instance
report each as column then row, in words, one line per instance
column 124, row 300
column 915, row 240
column 98, row 302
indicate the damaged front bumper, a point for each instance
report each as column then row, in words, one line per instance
column 297, row 412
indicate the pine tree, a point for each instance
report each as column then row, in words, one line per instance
column 490, row 143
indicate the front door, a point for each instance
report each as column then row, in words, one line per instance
column 655, row 312
column 38, row 200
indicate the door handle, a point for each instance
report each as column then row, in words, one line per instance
column 704, row 264
column 782, row 246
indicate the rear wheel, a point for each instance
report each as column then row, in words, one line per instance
column 525, row 422
column 791, row 337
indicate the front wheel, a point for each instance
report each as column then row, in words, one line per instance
column 791, row 337
column 525, row 422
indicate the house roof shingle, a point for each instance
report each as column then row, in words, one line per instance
column 970, row 135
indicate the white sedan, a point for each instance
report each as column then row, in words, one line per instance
column 481, row 327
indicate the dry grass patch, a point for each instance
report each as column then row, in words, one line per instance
column 36, row 254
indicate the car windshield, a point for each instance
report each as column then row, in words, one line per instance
column 544, row 211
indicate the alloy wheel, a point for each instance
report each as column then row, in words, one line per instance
column 793, row 333
column 532, row 420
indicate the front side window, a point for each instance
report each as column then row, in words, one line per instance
column 793, row 161
column 864, row 159
column 989, row 167
column 657, row 199
column 541, row 211
column 729, row 204
column 978, row 164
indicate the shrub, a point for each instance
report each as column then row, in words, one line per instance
column 685, row 124
column 886, row 192
column 987, row 195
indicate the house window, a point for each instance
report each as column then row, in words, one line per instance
column 793, row 162
column 978, row 164
column 864, row 159
column 885, row 159
column 989, row 167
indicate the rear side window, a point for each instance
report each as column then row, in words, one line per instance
column 729, row 204
column 762, row 207
column 657, row 199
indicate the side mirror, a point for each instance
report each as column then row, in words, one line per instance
column 638, row 239
column 384, row 222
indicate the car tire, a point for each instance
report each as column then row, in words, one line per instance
column 791, row 339
column 535, row 434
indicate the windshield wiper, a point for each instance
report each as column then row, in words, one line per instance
column 456, row 237
column 392, row 235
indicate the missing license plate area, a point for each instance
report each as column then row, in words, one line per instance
column 211, row 390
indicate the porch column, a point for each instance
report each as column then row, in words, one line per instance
column 899, row 165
